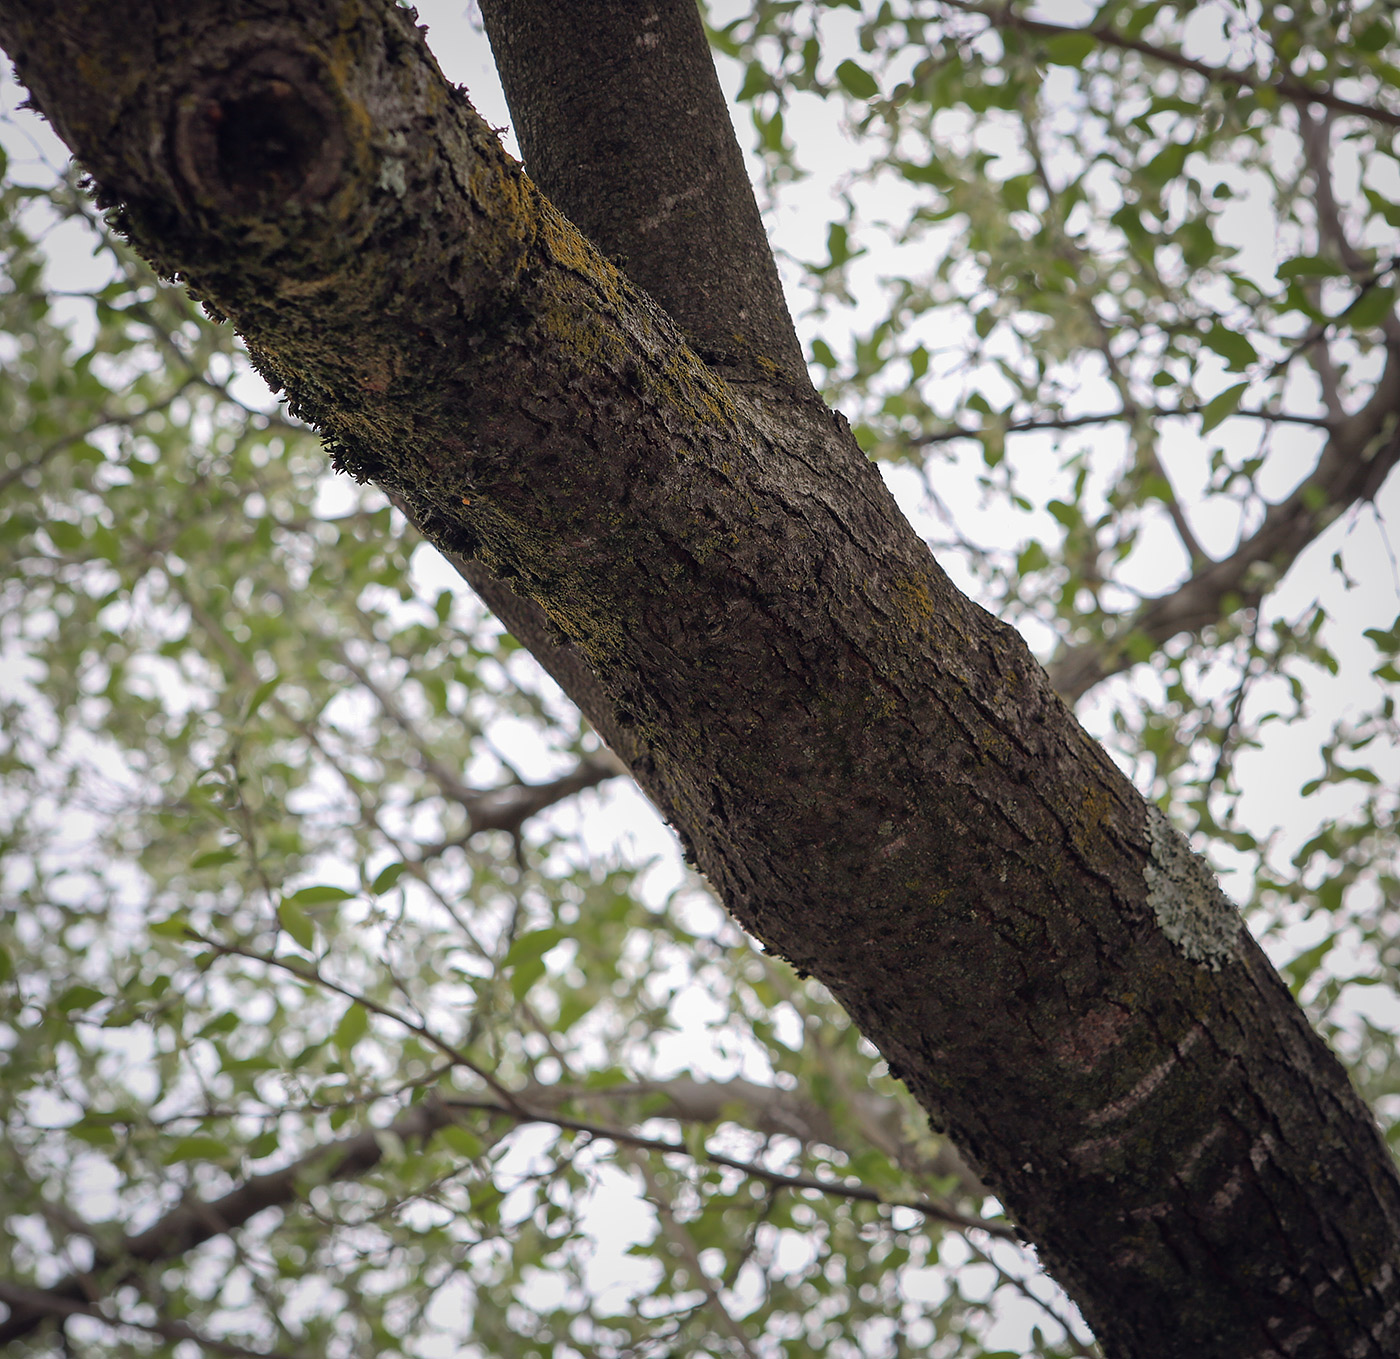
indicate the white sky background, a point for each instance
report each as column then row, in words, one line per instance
column 619, row 816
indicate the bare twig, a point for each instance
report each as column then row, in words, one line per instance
column 942, row 436
column 1077, row 1346
column 935, row 1212
column 314, row 977
column 1236, row 710
column 104, row 421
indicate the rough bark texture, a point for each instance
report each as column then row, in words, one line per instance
column 873, row 772
column 634, row 85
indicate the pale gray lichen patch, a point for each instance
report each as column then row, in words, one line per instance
column 393, row 177
column 1199, row 919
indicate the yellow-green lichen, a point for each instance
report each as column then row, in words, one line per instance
column 912, row 603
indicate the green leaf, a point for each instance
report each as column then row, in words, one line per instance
column 298, row 924
column 318, row 895
column 1385, row 640
column 572, row 1007
column 756, row 82
column 1167, row 164
column 214, row 858
column 94, row 1130
column 198, row 1147
column 1370, row 308
column 353, row 1026
column 1221, row 406
column 1310, row 266
column 176, row 926
column 461, row 1141
column 1305, row 964
column 524, row 975
column 1237, row 351
column 533, row 945
column 220, row 1024
column 1069, row 49
column 387, row 877
column 525, row 960
column 856, row 80
column 77, row 997
column 1032, row 558
column 264, row 1144
column 260, row 695
column 1389, row 212
column 1375, row 37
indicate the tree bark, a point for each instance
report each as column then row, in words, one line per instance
column 874, row 773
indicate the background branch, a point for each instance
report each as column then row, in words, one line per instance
column 1289, row 87
column 1354, row 463
column 771, row 1111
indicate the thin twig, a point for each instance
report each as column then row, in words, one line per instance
column 313, row 976
column 677, row 1234
column 935, row 1212
column 103, row 421
column 1289, row 87
column 1232, row 721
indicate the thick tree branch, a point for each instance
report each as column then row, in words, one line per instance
column 1296, row 91
column 873, row 772
column 1355, row 462
column 600, row 92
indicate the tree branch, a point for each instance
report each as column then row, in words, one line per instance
column 1046, row 422
column 103, row 421
column 44, row 1303
column 1289, row 87
column 873, row 772
column 1354, row 463
column 675, row 1231
column 623, row 125
column 687, row 1101
column 314, row 976
column 505, row 808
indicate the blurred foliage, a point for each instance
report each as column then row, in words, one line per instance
column 1111, row 309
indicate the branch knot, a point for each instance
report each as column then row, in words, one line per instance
column 259, row 133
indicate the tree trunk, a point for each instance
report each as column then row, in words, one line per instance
column 874, row 773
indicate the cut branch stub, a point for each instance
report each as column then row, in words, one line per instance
column 260, row 133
